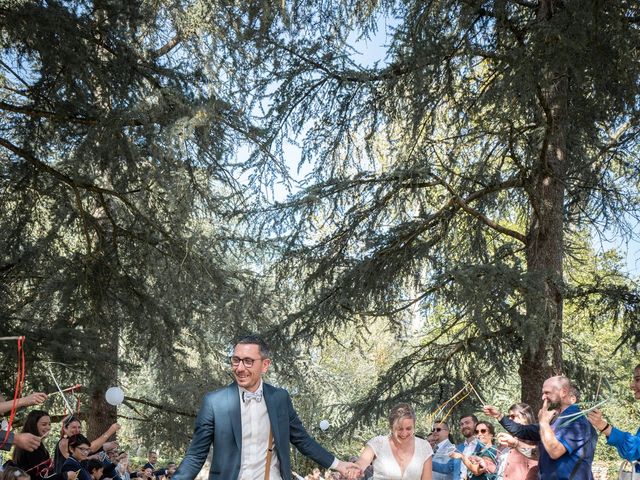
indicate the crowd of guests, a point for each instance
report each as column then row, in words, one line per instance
column 75, row 457
column 557, row 444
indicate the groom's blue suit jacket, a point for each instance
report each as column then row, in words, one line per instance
column 219, row 424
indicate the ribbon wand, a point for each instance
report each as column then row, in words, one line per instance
column 477, row 394
column 70, row 389
column 60, row 390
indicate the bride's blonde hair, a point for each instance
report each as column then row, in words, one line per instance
column 400, row 411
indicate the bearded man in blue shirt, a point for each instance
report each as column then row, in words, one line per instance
column 567, row 441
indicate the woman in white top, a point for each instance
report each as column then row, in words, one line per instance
column 399, row 456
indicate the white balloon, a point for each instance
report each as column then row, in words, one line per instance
column 324, row 425
column 114, row 396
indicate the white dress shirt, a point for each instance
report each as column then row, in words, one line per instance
column 255, row 437
column 469, row 448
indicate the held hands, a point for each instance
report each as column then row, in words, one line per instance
column 492, row 411
column 349, row 470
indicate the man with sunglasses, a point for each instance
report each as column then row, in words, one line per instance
column 250, row 425
column 443, row 447
column 453, row 468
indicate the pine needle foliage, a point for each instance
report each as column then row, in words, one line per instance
column 449, row 184
column 118, row 130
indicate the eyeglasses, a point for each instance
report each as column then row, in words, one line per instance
column 437, row 429
column 481, row 430
column 247, row 362
column 84, row 450
column 513, row 416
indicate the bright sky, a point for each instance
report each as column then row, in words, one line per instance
column 628, row 249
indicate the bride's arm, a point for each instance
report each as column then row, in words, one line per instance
column 366, row 457
column 426, row 469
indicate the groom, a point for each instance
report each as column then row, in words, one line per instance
column 250, row 424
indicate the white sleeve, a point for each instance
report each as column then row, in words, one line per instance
column 376, row 445
column 425, row 449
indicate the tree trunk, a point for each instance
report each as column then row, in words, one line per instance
column 542, row 355
column 101, row 415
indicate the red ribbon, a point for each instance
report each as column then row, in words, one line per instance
column 19, row 386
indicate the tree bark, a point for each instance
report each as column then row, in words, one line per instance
column 102, row 415
column 542, row 355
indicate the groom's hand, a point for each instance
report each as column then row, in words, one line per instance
column 349, row 470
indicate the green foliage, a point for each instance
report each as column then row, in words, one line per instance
column 116, row 193
column 450, row 185
column 440, row 232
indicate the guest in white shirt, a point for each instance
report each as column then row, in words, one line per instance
column 455, row 467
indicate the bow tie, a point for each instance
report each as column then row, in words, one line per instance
column 248, row 396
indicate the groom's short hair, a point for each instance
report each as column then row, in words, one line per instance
column 255, row 340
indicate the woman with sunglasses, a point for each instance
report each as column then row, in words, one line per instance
column 481, row 465
column 38, row 463
column 72, row 426
column 518, row 460
column 79, row 450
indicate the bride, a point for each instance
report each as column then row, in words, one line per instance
column 400, row 455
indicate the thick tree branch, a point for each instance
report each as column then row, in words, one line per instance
column 37, row 113
column 490, row 223
column 446, row 209
column 159, row 406
column 167, row 47
column 74, row 184
column 126, row 417
column 24, row 82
